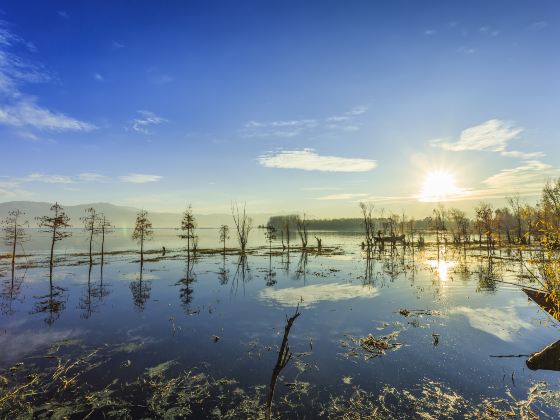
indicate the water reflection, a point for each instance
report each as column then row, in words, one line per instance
column 311, row 295
column 10, row 293
column 53, row 303
column 141, row 290
column 186, row 290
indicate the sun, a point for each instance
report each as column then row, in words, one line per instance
column 439, row 186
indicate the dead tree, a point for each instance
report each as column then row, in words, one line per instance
column 188, row 225
column 105, row 228
column 224, row 235
column 301, row 225
column 243, row 225
column 369, row 223
column 270, row 235
column 284, row 356
column 91, row 227
column 142, row 231
column 14, row 232
column 55, row 226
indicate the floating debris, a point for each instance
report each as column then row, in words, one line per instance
column 370, row 346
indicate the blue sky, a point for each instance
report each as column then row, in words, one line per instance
column 288, row 106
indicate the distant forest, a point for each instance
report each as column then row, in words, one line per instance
column 345, row 224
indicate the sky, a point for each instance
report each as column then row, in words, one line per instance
column 287, row 106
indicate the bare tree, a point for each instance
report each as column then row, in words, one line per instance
column 91, row 227
column 224, row 235
column 516, row 206
column 485, row 221
column 439, row 221
column 188, row 225
column 243, row 225
column 14, row 232
column 55, row 226
column 105, row 228
column 142, row 231
column 369, row 222
column 460, row 225
column 270, row 235
column 301, row 225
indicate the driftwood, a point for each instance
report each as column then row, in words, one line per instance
column 545, row 301
column 547, row 359
column 284, row 356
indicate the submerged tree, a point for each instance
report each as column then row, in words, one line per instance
column 460, row 226
column 142, row 231
column 188, row 225
column 105, row 228
column 243, row 225
column 369, row 223
column 14, row 232
column 224, row 235
column 301, row 225
column 270, row 235
column 55, row 226
column 91, row 227
column 485, row 222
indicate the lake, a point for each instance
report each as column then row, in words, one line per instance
column 403, row 333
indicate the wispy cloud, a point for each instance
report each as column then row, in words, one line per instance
column 343, row 196
column 63, row 14
column 522, row 155
column 26, row 112
column 539, row 25
column 98, row 77
column 526, row 178
column 91, row 177
column 117, row 45
column 146, row 119
column 140, row 178
column 47, row 179
column 309, row 160
column 21, row 110
column 492, row 135
column 347, row 121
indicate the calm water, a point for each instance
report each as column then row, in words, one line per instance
column 225, row 317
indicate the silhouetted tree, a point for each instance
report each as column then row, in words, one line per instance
column 485, row 221
column 142, row 231
column 270, row 235
column 224, row 235
column 14, row 232
column 55, row 226
column 301, row 225
column 460, row 225
column 243, row 225
column 188, row 225
column 369, row 223
column 105, row 228
column 92, row 227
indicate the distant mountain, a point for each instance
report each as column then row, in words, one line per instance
column 120, row 216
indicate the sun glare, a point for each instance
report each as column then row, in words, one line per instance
column 439, row 186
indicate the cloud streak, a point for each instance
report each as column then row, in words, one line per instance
column 146, row 120
column 21, row 110
column 309, row 160
column 492, row 135
column 140, row 178
column 345, row 122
